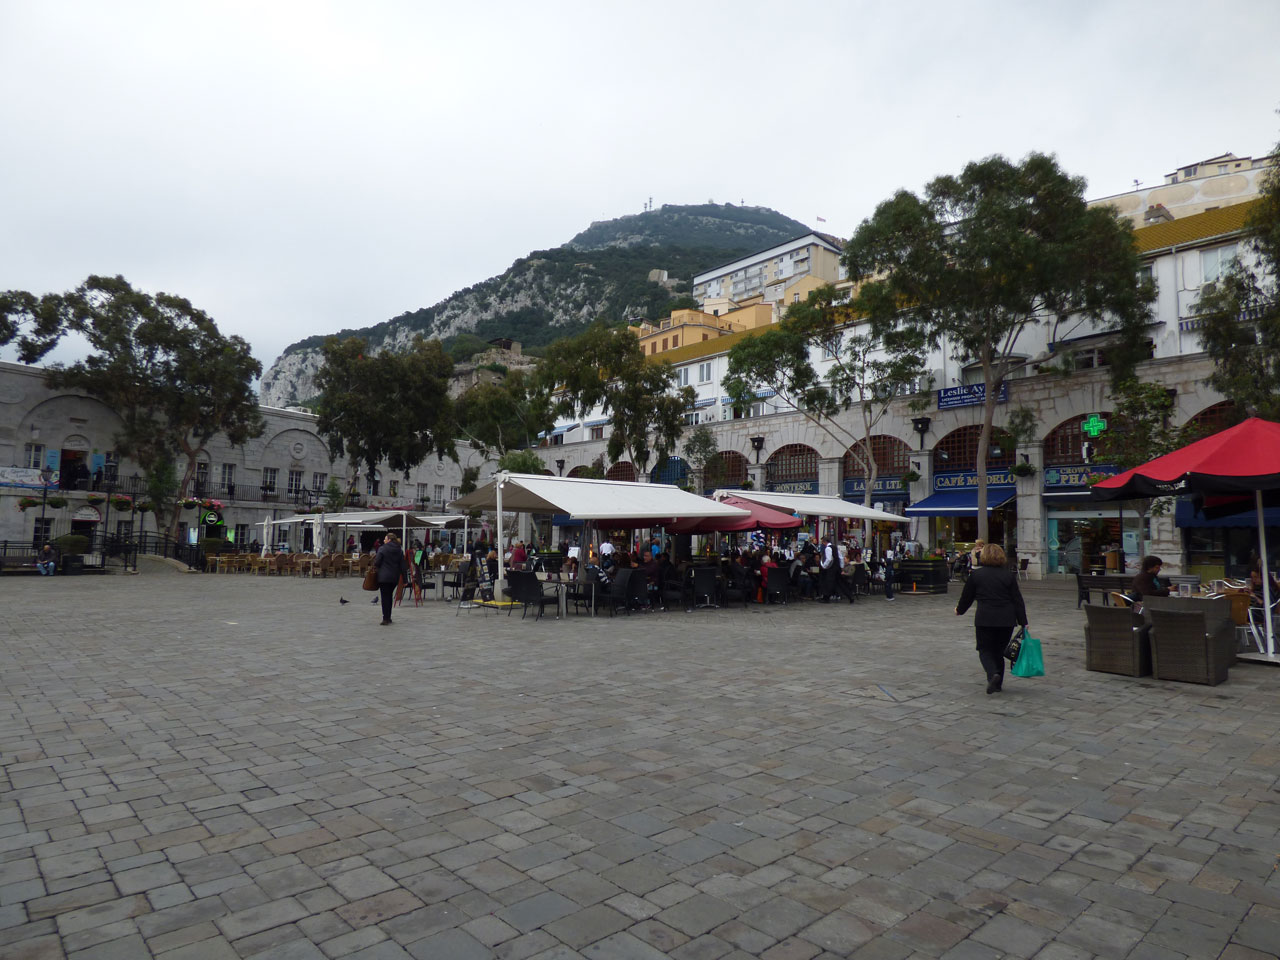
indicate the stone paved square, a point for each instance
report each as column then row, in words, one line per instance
column 238, row 766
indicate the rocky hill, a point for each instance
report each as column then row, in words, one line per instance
column 602, row 273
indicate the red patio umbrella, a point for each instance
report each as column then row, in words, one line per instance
column 1241, row 459
column 761, row 516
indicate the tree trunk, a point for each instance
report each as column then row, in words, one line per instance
column 190, row 453
column 984, row 442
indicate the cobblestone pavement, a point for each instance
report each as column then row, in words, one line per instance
column 232, row 766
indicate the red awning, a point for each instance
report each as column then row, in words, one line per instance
column 761, row 516
column 1241, row 459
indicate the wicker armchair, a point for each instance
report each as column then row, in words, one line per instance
column 1217, row 613
column 1184, row 648
column 1116, row 640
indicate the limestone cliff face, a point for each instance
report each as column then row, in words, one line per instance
column 602, row 273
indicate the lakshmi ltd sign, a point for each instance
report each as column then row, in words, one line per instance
column 969, row 480
column 1076, row 475
column 893, row 487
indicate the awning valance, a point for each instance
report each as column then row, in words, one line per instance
column 959, row 503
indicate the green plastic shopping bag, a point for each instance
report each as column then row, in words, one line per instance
column 1030, row 662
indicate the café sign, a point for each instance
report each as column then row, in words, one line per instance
column 969, row 480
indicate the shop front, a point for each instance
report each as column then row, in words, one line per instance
column 1225, row 546
column 1083, row 535
column 888, row 494
column 952, row 509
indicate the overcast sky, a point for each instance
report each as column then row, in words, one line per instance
column 298, row 168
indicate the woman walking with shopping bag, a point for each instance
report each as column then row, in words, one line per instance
column 1000, row 609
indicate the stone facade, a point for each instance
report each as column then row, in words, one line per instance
column 65, row 431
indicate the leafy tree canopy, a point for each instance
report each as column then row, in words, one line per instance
column 605, row 368
column 156, row 360
column 982, row 258
column 1241, row 313
column 522, row 461
column 393, row 406
column 504, row 415
column 861, row 375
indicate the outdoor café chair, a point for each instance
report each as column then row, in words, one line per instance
column 776, row 585
column 583, row 591
column 1183, row 648
column 704, row 589
column 1258, row 623
column 620, row 589
column 526, row 589
column 737, row 589
column 1116, row 640
column 459, row 578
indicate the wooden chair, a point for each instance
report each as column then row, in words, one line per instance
column 1121, row 599
column 1184, row 649
column 1116, row 641
column 325, row 566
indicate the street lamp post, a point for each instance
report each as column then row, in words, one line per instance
column 133, row 533
column 46, row 474
column 108, row 487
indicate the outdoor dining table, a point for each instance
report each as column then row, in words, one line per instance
column 307, row 565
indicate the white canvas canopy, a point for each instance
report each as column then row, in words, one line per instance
column 812, row 505
column 585, row 499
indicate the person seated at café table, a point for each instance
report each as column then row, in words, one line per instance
column 1256, row 597
column 519, row 555
column 1147, row 583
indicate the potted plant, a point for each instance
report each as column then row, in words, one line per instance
column 57, row 503
column 26, row 503
column 72, row 547
column 94, row 499
column 190, row 503
column 143, row 507
column 1023, row 470
column 910, row 476
column 121, row 501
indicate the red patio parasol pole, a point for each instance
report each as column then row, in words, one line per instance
column 1266, row 574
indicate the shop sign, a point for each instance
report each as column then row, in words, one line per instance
column 1076, row 475
column 857, row 486
column 21, row 477
column 971, row 395
column 210, row 518
column 86, row 514
column 969, row 480
column 794, row 486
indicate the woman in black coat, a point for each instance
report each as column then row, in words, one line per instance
column 391, row 567
column 1000, row 609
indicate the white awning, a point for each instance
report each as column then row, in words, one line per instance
column 376, row 518
column 812, row 505
column 585, row 499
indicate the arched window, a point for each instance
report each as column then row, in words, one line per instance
column 892, row 456
column 794, row 463
column 674, row 471
column 1213, row 420
column 1064, row 444
column 622, row 470
column 727, row 469
column 958, row 450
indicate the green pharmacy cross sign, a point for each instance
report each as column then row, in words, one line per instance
column 1093, row 426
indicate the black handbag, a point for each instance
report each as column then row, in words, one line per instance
column 1014, row 646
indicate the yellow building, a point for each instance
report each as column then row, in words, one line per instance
column 685, row 327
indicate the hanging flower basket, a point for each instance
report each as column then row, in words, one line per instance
column 144, row 507
column 94, row 499
column 1023, row 470
column 26, row 503
column 210, row 504
column 910, row 477
column 190, row 503
column 57, row 503
column 121, row 502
